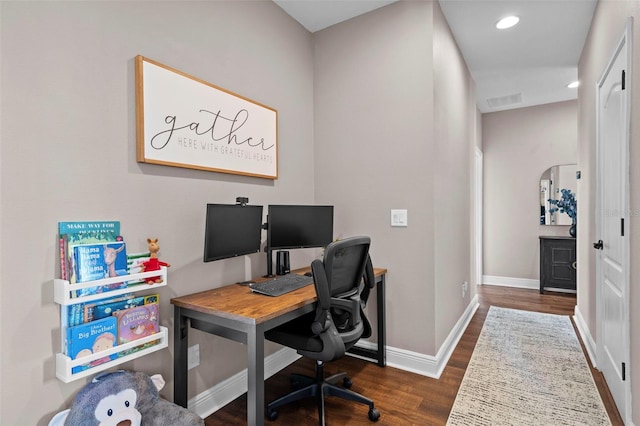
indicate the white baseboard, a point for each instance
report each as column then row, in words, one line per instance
column 585, row 335
column 211, row 400
column 428, row 365
column 511, row 282
column 590, row 347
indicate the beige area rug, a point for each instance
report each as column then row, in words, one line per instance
column 527, row 369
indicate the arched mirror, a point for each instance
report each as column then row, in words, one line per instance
column 552, row 181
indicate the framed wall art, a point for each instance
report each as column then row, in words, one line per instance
column 183, row 121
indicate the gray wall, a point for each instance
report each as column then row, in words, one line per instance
column 394, row 128
column 452, row 160
column 373, row 133
column 606, row 29
column 375, row 113
column 518, row 146
column 68, row 153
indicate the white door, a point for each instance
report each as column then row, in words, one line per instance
column 612, row 224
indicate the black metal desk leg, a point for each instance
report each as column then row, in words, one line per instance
column 382, row 334
column 180, row 345
column 255, row 379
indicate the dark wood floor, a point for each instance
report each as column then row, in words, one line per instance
column 405, row 398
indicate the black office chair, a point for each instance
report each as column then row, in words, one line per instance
column 336, row 325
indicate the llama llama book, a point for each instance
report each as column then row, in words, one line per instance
column 98, row 261
column 137, row 322
column 90, row 338
column 84, row 232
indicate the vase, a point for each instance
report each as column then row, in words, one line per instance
column 572, row 230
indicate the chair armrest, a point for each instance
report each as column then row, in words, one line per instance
column 321, row 284
column 333, row 346
column 369, row 282
column 321, row 322
column 351, row 305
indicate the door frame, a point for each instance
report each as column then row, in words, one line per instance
column 478, row 216
column 624, row 43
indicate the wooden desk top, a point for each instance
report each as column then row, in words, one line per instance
column 239, row 303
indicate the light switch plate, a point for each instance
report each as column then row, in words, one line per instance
column 399, row 217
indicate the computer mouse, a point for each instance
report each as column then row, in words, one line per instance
column 309, row 274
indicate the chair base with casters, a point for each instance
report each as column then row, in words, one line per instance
column 307, row 387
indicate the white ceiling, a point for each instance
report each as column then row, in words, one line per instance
column 533, row 61
column 316, row 15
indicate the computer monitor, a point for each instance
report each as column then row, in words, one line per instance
column 232, row 230
column 299, row 226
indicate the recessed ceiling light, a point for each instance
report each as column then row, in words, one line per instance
column 507, row 22
column 573, row 85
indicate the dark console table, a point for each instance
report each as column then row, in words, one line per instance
column 558, row 264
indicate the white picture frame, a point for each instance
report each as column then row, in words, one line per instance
column 182, row 121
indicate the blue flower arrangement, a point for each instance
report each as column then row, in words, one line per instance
column 566, row 204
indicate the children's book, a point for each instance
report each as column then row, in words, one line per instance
column 87, row 308
column 135, row 264
column 85, row 232
column 108, row 309
column 137, row 322
column 98, row 261
column 90, row 338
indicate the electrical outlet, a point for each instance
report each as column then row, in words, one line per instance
column 464, row 288
column 194, row 356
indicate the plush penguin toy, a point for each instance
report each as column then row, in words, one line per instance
column 125, row 398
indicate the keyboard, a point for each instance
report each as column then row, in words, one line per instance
column 281, row 285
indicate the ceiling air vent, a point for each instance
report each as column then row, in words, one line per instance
column 503, row 101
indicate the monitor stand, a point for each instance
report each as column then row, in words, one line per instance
column 269, row 263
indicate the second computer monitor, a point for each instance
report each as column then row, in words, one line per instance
column 299, row 226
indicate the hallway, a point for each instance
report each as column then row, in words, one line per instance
column 405, row 398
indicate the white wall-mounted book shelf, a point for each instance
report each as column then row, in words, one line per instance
column 64, row 295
